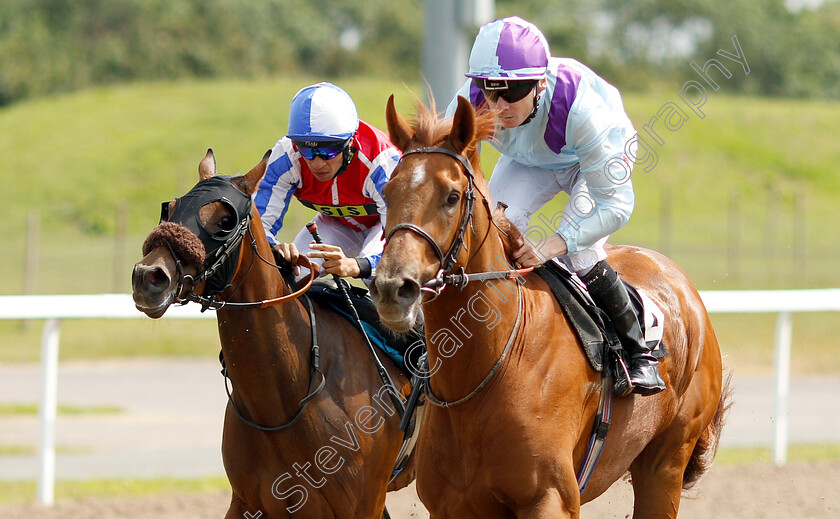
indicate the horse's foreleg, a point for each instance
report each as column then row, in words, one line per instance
column 552, row 505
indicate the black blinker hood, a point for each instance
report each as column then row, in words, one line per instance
column 207, row 191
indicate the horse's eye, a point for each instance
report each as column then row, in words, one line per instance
column 227, row 223
column 453, row 198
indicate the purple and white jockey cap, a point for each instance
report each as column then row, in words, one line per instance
column 509, row 48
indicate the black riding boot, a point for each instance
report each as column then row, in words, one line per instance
column 610, row 294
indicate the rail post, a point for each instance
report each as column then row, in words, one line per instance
column 48, row 410
column 784, row 338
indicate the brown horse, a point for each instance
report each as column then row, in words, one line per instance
column 289, row 444
column 516, row 398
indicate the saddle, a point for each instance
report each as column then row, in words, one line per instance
column 593, row 328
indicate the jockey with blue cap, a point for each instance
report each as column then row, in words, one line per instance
column 337, row 165
column 561, row 128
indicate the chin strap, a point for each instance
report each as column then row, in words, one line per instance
column 348, row 154
column 534, row 110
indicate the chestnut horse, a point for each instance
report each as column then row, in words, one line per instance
column 516, row 398
column 321, row 440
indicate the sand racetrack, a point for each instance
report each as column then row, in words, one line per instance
column 756, row 491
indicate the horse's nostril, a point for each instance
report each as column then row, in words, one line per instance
column 409, row 290
column 157, row 278
column 394, row 290
column 149, row 278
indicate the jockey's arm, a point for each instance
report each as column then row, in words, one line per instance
column 598, row 136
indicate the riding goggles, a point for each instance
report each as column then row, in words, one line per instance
column 510, row 91
column 323, row 150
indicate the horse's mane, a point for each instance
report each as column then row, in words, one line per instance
column 511, row 236
column 432, row 130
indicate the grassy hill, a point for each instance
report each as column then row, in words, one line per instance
column 744, row 197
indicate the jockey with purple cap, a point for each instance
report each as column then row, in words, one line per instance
column 561, row 128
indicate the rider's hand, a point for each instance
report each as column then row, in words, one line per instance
column 289, row 253
column 335, row 262
column 529, row 256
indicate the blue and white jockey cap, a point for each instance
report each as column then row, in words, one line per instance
column 322, row 113
column 509, row 49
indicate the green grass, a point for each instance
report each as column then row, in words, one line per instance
column 109, row 338
column 79, row 159
column 795, row 454
column 7, row 410
column 746, row 341
column 22, row 450
column 16, row 450
column 25, row 491
column 140, row 144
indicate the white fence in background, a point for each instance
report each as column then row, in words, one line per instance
column 120, row 306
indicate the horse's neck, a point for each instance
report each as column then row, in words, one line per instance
column 468, row 330
column 257, row 278
column 266, row 350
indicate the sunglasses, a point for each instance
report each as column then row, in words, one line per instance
column 510, row 91
column 323, row 150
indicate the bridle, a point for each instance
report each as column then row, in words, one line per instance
column 447, row 260
column 224, row 253
column 445, row 276
column 224, row 258
column 213, row 302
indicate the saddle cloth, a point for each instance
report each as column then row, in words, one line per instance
column 591, row 325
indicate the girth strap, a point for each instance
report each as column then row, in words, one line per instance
column 599, row 431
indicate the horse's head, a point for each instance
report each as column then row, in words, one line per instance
column 430, row 199
column 196, row 246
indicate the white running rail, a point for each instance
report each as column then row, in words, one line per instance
column 120, row 306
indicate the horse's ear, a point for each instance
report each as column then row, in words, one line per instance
column 463, row 125
column 252, row 178
column 398, row 129
column 207, row 166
